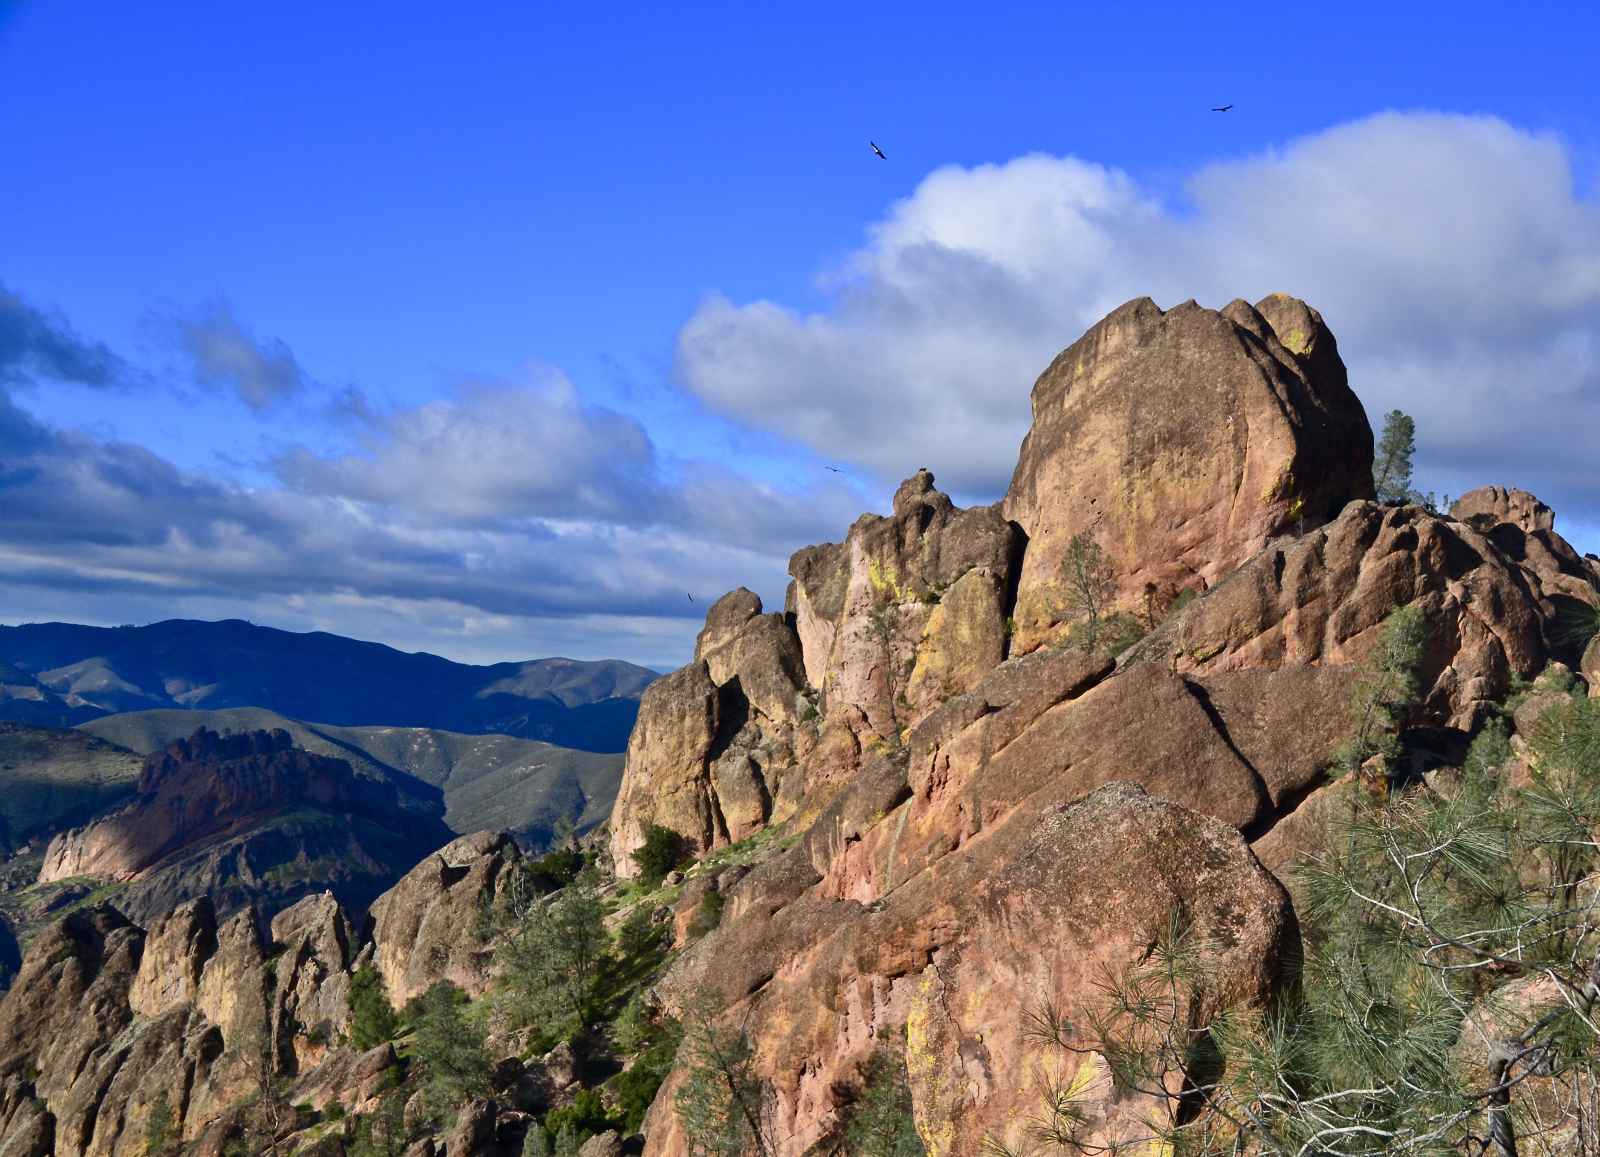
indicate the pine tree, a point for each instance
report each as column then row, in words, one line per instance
column 1391, row 468
column 1090, row 584
column 722, row 1105
column 449, row 1045
column 160, row 1127
column 566, row 1142
column 535, row 1144
column 881, row 1122
column 372, row 1018
column 551, row 959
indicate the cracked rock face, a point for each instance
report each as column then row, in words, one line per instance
column 106, row 1018
column 1028, row 913
column 423, row 927
column 1321, row 599
column 1182, row 441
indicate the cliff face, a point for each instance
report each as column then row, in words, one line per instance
column 248, row 819
column 988, row 819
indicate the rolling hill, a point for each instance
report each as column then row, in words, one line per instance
column 497, row 782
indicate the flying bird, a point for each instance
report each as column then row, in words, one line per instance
column 691, row 597
column 877, row 150
column 1224, row 108
column 835, row 469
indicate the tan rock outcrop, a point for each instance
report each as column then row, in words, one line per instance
column 1489, row 506
column 897, row 568
column 1028, row 912
column 1320, row 599
column 1182, row 441
column 665, row 778
column 423, row 929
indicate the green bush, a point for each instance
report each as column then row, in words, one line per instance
column 372, row 1017
column 586, row 1116
column 708, row 915
column 663, row 850
column 636, row 1088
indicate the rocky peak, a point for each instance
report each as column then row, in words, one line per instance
column 917, row 491
column 726, row 618
column 422, row 927
column 1182, row 441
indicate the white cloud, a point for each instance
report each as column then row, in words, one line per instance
column 1451, row 256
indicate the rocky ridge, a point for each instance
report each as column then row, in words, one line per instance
column 980, row 822
column 946, row 746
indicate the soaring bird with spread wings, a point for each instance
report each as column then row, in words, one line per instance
column 1223, row 108
column 877, row 150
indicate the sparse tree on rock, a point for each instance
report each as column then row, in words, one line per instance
column 551, row 957
column 880, row 1122
column 1391, row 467
column 449, row 1046
column 160, row 1127
column 724, row 1107
column 1090, row 584
column 372, row 1017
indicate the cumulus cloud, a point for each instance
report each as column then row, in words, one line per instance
column 1451, row 255
column 224, row 356
column 35, row 344
column 450, row 533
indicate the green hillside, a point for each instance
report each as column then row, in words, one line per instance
column 497, row 782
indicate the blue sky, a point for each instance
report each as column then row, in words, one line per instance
column 493, row 330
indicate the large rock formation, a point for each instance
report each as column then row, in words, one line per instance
column 425, row 928
column 1319, row 599
column 771, row 718
column 1182, row 441
column 958, row 955
column 986, row 818
column 248, row 819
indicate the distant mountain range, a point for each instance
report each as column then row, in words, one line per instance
column 63, row 674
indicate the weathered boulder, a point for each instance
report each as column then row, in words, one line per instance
column 1033, row 911
column 473, row 1133
column 1183, row 441
column 1489, row 506
column 1589, row 667
column 424, row 928
column 607, row 1144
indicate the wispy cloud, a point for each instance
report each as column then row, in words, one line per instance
column 224, row 355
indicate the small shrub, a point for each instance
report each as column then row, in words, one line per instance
column 663, row 851
column 636, row 1088
column 709, row 914
column 586, row 1116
